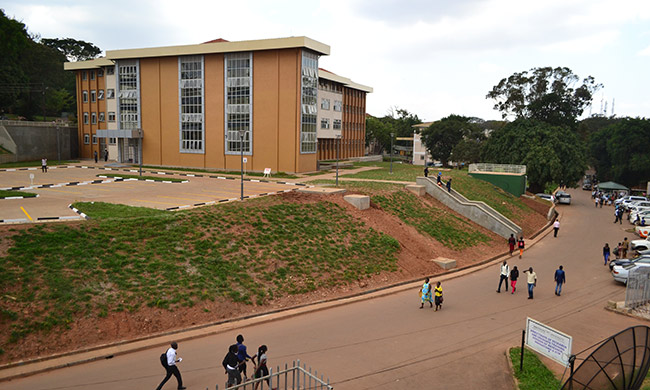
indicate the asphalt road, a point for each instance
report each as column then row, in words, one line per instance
column 388, row 343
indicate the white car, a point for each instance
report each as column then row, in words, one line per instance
column 563, row 197
column 640, row 245
column 638, row 205
column 548, row 197
column 643, row 213
column 629, row 198
column 621, row 272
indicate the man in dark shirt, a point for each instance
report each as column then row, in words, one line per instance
column 560, row 278
column 242, row 355
column 231, row 364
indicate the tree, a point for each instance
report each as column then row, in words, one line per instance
column 442, row 136
column 552, row 154
column 378, row 134
column 72, row 49
column 545, row 94
column 621, row 153
column 14, row 40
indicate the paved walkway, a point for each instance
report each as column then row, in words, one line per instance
column 387, row 342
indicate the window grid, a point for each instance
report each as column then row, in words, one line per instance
column 325, row 104
column 309, row 103
column 110, row 93
column 93, row 96
column 100, row 94
column 85, row 118
column 128, row 98
column 337, row 124
column 84, row 95
column 325, row 123
column 191, row 107
column 239, row 96
column 86, row 139
column 93, row 118
column 101, row 116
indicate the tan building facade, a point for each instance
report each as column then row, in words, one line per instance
column 202, row 106
column 420, row 154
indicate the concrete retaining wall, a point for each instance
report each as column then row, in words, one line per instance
column 35, row 140
column 476, row 211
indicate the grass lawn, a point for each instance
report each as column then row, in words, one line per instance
column 8, row 194
column 535, row 375
column 154, row 178
column 277, row 175
column 37, row 163
column 471, row 188
column 126, row 257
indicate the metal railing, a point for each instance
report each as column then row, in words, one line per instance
column 296, row 377
column 637, row 292
column 497, row 168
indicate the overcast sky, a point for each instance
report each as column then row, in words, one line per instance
column 431, row 57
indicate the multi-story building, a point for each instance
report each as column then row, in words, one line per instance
column 421, row 155
column 204, row 105
column 341, row 116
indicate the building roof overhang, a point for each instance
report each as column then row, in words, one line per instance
column 327, row 75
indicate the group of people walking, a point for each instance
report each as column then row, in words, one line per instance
column 531, row 278
column 234, row 363
column 426, row 295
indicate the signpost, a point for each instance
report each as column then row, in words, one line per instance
column 548, row 341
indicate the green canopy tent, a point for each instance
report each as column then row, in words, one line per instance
column 611, row 186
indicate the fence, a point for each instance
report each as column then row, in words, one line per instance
column 637, row 292
column 497, row 168
column 296, row 377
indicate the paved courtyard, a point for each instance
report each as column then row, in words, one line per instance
column 64, row 185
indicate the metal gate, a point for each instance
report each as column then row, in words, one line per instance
column 637, row 293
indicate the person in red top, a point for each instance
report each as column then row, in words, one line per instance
column 520, row 245
column 511, row 243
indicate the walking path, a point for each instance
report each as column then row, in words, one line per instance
column 386, row 342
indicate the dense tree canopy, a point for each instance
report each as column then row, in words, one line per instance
column 32, row 79
column 399, row 122
column 621, row 153
column 73, row 49
column 550, row 95
column 446, row 134
column 552, row 154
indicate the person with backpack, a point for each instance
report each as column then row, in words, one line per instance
column 520, row 245
column 231, row 364
column 168, row 361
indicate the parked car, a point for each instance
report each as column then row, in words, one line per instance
column 640, row 245
column 563, row 197
column 641, row 258
column 635, row 217
column 645, row 252
column 627, row 199
column 586, row 184
column 621, row 272
column 548, row 197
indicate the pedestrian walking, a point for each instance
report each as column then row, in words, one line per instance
column 95, row 154
column 242, row 356
column 521, row 245
column 625, row 246
column 439, row 179
column 169, row 360
column 617, row 251
column 606, row 253
column 438, row 296
column 560, row 279
column 503, row 275
column 262, row 369
column 556, row 227
column 596, row 201
column 449, row 185
column 426, row 171
column 230, row 363
column 512, row 241
column 44, row 165
column 425, row 294
column 514, row 275
column 532, row 281
column 105, row 155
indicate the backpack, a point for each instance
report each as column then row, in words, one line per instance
column 163, row 360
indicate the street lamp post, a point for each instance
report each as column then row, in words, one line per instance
column 140, row 149
column 338, row 146
column 241, row 148
column 391, row 152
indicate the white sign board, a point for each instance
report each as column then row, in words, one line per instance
column 245, row 160
column 548, row 341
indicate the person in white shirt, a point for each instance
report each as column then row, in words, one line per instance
column 556, row 227
column 532, row 281
column 505, row 271
column 171, row 367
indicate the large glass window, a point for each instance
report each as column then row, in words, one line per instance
column 129, row 96
column 239, row 102
column 309, row 102
column 191, row 104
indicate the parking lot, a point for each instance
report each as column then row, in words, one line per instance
column 62, row 186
